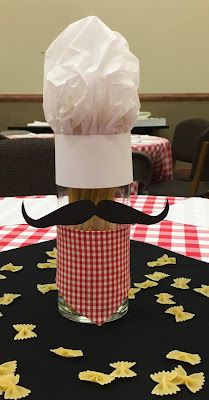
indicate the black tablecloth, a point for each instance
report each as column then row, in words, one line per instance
column 145, row 335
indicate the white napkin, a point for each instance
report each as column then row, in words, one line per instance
column 192, row 211
column 90, row 81
column 10, row 209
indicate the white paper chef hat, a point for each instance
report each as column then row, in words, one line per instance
column 90, row 100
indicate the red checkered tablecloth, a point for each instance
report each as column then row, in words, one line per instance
column 159, row 150
column 188, row 240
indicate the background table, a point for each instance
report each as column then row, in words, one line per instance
column 159, row 150
column 148, row 126
column 188, row 240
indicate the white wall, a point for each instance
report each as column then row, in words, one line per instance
column 170, row 37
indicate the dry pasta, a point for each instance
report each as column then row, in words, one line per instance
column 181, row 283
column 146, row 284
column 193, row 382
column 46, row 287
column 1, row 315
column 163, row 260
column 3, row 276
column 8, row 298
column 63, row 352
column 12, row 268
column 96, row 377
column 52, row 253
column 16, row 392
column 122, row 369
column 165, row 384
column 157, row 276
column 25, row 331
column 132, row 292
column 9, row 381
column 8, row 367
column 95, row 195
column 203, row 290
column 164, row 298
column 190, row 358
column 46, row 265
column 52, row 261
column 179, row 313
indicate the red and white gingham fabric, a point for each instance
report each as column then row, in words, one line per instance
column 93, row 273
column 191, row 241
column 159, row 150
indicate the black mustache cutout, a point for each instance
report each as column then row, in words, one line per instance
column 82, row 210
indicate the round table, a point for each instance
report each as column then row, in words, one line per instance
column 159, row 150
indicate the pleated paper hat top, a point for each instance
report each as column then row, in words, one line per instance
column 90, row 100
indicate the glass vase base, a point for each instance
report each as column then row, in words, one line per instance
column 66, row 311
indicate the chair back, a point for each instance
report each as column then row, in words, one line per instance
column 142, row 170
column 204, row 137
column 186, row 138
column 27, row 167
column 201, row 172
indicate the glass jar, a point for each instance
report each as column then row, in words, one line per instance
column 93, row 261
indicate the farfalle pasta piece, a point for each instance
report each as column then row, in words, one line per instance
column 16, row 392
column 46, row 287
column 157, row 276
column 8, row 298
column 52, row 253
column 204, row 289
column 164, row 298
column 52, row 261
column 8, row 367
column 122, row 369
column 132, row 292
column 146, row 284
column 165, row 384
column 1, row 315
column 12, row 268
column 190, row 358
column 181, row 283
column 46, row 265
column 25, row 331
column 3, row 277
column 96, row 377
column 68, row 353
column 163, row 260
column 193, row 382
column 7, row 380
column 180, row 314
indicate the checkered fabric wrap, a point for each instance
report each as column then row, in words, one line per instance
column 93, row 273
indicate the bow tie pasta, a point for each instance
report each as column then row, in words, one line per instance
column 181, row 283
column 203, row 290
column 122, row 369
column 165, row 383
column 193, row 382
column 192, row 359
column 63, row 352
column 179, row 313
column 25, row 331
column 96, row 377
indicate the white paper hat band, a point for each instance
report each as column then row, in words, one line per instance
column 93, row 161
